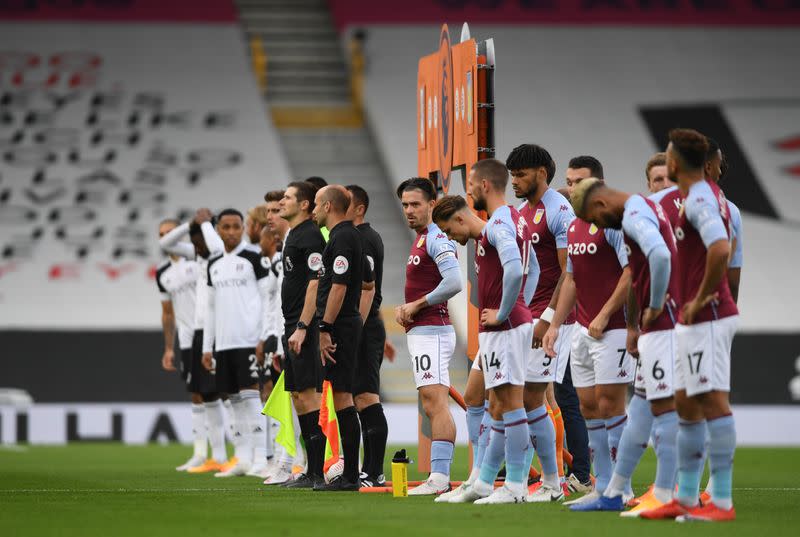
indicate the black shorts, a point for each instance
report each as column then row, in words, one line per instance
column 237, row 369
column 304, row 370
column 200, row 380
column 346, row 334
column 370, row 357
column 186, row 366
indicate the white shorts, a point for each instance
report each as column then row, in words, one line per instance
column 638, row 376
column 600, row 361
column 543, row 368
column 703, row 363
column 430, row 357
column 657, row 354
column 504, row 355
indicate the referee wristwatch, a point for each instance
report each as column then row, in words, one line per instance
column 301, row 325
column 325, row 327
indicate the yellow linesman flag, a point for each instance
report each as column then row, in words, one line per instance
column 279, row 407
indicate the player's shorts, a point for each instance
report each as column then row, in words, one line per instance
column 304, row 370
column 703, row 363
column 657, row 355
column 346, row 335
column 504, row 355
column 200, row 379
column 638, row 378
column 237, row 369
column 185, row 367
column 600, row 361
column 370, row 357
column 430, row 357
column 543, row 368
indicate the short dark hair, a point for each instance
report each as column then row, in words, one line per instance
column 446, row 207
column 713, row 147
column 338, row 197
column 418, row 183
column 531, row 156
column 195, row 229
column 274, row 195
column 305, row 192
column 360, row 196
column 587, row 161
column 230, row 212
column 318, row 182
column 691, row 145
column 493, row 171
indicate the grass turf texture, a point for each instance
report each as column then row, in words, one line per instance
column 110, row 489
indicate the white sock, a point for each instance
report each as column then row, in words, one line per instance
column 300, row 457
column 270, row 440
column 256, row 425
column 616, row 486
column 473, row 475
column 439, row 479
column 215, row 421
column 231, row 421
column 662, row 495
column 709, row 485
column 199, row 434
column 243, row 447
column 551, row 480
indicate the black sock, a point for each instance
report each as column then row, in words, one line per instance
column 366, row 454
column 375, row 431
column 315, row 442
column 350, row 431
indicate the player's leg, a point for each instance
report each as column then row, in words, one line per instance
column 303, row 377
column 510, row 409
column 199, row 435
column 226, row 371
column 477, row 407
column 430, row 359
column 719, row 419
column 342, row 376
column 374, row 428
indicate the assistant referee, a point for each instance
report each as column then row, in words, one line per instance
column 338, row 300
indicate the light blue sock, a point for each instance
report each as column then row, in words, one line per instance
column 691, row 443
column 441, row 457
column 474, row 418
column 483, row 439
column 633, row 442
column 518, row 444
column 722, row 432
column 601, row 458
column 666, row 433
column 495, row 451
column 543, row 438
column 614, row 428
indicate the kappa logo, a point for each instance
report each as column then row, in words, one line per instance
column 634, row 213
column 497, row 222
column 427, row 376
column 546, row 373
column 613, row 454
column 441, row 236
column 703, row 379
column 571, row 229
column 661, row 387
column 498, row 376
column 622, row 374
column 239, row 267
column 563, row 208
column 340, row 265
column 639, row 378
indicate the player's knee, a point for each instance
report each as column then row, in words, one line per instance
column 210, row 397
column 716, row 405
column 609, row 405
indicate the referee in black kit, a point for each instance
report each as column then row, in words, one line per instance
column 372, row 347
column 338, row 300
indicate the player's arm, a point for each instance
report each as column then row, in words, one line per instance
column 367, row 290
column 209, row 328
column 443, row 254
column 172, row 244
column 213, row 241
column 532, row 279
column 313, row 266
column 632, row 323
column 737, row 252
column 620, row 294
column 339, row 282
column 267, row 342
column 504, row 240
column 565, row 303
column 558, row 227
column 706, row 220
column 168, row 327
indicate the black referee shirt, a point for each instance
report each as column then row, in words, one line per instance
column 343, row 263
column 373, row 250
column 302, row 262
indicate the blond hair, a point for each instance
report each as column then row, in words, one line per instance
column 581, row 193
column 258, row 214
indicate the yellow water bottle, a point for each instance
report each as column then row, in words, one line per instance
column 400, row 474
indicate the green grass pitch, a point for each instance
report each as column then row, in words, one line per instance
column 113, row 490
